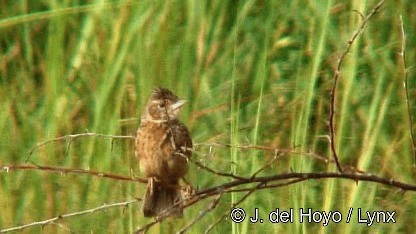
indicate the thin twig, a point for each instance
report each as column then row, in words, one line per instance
column 335, row 80
column 266, row 165
column 282, row 152
column 406, row 89
column 143, row 229
column 69, row 138
column 267, row 186
column 251, row 191
column 258, row 187
column 224, row 174
column 64, row 170
column 210, row 207
column 60, row 217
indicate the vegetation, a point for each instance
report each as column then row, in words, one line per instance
column 256, row 73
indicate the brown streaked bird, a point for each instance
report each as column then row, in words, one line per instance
column 163, row 147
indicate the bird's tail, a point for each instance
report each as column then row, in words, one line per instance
column 161, row 199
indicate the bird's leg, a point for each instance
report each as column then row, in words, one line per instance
column 188, row 190
column 186, row 181
column 151, row 184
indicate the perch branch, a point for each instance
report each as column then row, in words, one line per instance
column 260, row 183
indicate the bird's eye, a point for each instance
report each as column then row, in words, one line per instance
column 162, row 105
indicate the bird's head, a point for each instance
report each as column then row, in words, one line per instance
column 162, row 106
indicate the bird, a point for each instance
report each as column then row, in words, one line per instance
column 163, row 146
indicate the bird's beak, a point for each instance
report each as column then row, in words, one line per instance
column 178, row 104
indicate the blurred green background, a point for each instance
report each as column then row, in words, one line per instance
column 255, row 73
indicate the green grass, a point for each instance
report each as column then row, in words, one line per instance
column 254, row 72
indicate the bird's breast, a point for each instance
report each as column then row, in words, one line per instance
column 157, row 153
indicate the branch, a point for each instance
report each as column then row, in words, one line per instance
column 7, row 168
column 281, row 151
column 264, row 182
column 238, row 183
column 268, row 186
column 224, row 174
column 69, row 138
column 335, row 80
column 266, row 165
column 251, row 191
column 60, row 217
column 306, row 176
column 210, row 207
column 406, row 90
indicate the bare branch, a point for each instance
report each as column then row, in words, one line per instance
column 71, row 137
column 268, row 182
column 143, row 229
column 258, row 187
column 211, row 206
column 7, row 168
column 406, row 90
column 60, row 217
column 335, row 80
column 251, row 191
column 267, row 186
column 282, row 152
column 266, row 165
column 224, row 174
column 307, row 176
column 229, row 187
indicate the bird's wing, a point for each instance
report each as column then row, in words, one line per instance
column 182, row 138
